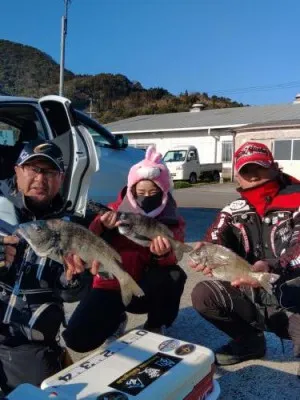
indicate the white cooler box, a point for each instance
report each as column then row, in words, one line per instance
column 140, row 365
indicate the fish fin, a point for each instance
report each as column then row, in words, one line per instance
column 180, row 248
column 129, row 288
column 266, row 280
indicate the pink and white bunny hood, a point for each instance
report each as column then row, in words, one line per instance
column 151, row 168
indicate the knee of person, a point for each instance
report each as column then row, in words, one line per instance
column 200, row 296
column 75, row 342
column 178, row 275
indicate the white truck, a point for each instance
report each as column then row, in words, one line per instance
column 184, row 165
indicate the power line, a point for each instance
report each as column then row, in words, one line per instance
column 265, row 88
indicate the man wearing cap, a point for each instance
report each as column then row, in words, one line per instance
column 33, row 289
column 263, row 227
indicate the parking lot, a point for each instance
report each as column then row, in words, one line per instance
column 271, row 378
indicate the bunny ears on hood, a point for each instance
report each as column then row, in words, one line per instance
column 151, row 168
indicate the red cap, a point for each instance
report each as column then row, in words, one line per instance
column 253, row 153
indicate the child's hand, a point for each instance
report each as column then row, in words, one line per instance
column 160, row 246
column 109, row 220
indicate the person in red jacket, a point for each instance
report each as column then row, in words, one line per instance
column 101, row 313
column 263, row 227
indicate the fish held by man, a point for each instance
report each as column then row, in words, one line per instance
column 228, row 266
column 56, row 238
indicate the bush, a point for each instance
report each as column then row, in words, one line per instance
column 181, row 185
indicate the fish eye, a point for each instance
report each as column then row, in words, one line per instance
column 37, row 228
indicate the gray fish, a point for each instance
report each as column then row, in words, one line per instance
column 56, row 238
column 142, row 229
column 228, row 266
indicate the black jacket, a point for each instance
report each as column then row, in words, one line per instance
column 33, row 289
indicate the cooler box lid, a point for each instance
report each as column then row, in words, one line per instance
column 139, row 365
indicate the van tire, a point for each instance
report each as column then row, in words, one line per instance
column 193, row 178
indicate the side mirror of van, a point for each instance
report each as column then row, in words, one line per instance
column 122, row 141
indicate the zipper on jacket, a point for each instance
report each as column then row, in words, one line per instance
column 259, row 251
column 16, row 288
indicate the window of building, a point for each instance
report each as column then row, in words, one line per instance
column 283, row 149
column 288, row 149
column 296, row 150
column 226, row 151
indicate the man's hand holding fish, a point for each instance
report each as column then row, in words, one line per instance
column 259, row 266
column 199, row 267
column 7, row 250
column 75, row 265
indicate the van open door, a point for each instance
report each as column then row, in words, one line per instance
column 79, row 153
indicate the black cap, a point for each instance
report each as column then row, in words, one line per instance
column 42, row 149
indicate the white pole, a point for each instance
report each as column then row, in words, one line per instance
column 62, row 48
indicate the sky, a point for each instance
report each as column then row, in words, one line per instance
column 248, row 50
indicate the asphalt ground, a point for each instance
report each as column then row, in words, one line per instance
column 274, row 376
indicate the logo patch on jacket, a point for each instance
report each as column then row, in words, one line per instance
column 237, row 205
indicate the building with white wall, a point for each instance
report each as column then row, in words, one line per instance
column 216, row 133
column 282, row 138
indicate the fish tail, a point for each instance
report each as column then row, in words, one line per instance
column 129, row 288
column 266, row 280
column 180, row 249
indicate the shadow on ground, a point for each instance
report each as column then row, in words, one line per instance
column 255, row 382
column 272, row 377
column 197, row 221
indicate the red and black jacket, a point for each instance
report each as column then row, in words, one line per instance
column 263, row 224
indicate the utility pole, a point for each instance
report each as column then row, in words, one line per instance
column 91, row 108
column 64, row 21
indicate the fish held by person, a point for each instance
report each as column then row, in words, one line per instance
column 141, row 229
column 227, row 265
column 56, row 238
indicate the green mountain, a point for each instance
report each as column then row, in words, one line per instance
column 27, row 71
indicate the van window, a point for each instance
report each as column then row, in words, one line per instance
column 192, row 156
column 175, row 155
column 98, row 139
column 19, row 123
column 9, row 134
column 101, row 136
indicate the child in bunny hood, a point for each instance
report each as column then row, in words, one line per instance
column 100, row 314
